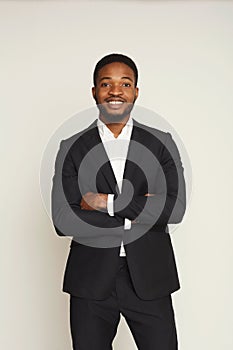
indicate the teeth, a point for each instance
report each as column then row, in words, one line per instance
column 115, row 102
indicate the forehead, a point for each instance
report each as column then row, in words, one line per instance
column 116, row 69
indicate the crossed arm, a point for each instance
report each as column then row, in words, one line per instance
column 162, row 207
column 98, row 201
column 167, row 203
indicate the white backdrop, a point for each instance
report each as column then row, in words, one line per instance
column 184, row 52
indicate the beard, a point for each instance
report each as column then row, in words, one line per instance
column 115, row 116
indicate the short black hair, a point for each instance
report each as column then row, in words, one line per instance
column 115, row 57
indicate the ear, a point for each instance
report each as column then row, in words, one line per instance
column 136, row 92
column 93, row 92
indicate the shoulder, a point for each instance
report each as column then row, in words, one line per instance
column 160, row 139
column 162, row 136
column 70, row 141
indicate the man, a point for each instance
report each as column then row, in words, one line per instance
column 117, row 185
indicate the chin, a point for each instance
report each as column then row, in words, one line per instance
column 114, row 117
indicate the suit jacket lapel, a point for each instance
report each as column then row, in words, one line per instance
column 92, row 138
column 133, row 155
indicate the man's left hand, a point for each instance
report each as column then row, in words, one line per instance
column 94, row 201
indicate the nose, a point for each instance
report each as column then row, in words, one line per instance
column 115, row 90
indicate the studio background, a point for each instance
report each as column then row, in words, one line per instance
column 184, row 52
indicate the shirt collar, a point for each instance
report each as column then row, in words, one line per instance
column 104, row 129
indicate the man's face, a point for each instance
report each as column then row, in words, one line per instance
column 115, row 92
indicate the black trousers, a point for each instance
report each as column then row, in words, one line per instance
column 94, row 323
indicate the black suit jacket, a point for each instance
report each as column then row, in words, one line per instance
column 153, row 165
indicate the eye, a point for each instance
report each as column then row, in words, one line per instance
column 126, row 84
column 105, row 84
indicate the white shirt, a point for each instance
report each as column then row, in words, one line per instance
column 116, row 149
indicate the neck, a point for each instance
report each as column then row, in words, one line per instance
column 115, row 128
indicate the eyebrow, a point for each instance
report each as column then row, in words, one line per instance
column 121, row 78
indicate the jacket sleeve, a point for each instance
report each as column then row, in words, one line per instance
column 168, row 204
column 68, row 217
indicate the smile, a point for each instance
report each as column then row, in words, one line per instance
column 115, row 102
